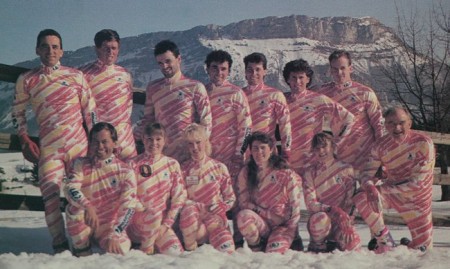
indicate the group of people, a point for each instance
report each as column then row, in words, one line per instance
column 210, row 155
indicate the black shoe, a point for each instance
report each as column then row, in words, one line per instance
column 297, row 244
column 61, row 247
column 82, row 252
column 239, row 243
column 331, row 245
column 405, row 241
column 372, row 244
column 135, row 245
column 325, row 247
column 260, row 246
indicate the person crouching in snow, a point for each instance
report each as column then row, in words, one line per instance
column 407, row 158
column 101, row 190
column 161, row 194
column 269, row 198
column 210, row 195
column 328, row 188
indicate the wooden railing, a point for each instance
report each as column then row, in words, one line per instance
column 10, row 73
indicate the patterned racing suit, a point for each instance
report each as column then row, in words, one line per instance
column 61, row 99
column 272, row 211
column 312, row 113
column 112, row 89
column 325, row 184
column 175, row 103
column 231, row 124
column 268, row 108
column 108, row 185
column 210, row 195
column 406, row 187
column 162, row 194
column 362, row 102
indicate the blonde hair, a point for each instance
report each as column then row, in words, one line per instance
column 195, row 130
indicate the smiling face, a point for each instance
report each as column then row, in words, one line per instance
column 154, row 143
column 297, row 81
column 324, row 151
column 254, row 73
column 340, row 70
column 108, row 52
column 398, row 124
column 196, row 145
column 168, row 63
column 218, row 72
column 261, row 153
column 49, row 50
column 102, row 145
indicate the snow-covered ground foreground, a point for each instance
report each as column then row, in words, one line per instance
column 25, row 243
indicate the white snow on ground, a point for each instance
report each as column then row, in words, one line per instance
column 25, row 243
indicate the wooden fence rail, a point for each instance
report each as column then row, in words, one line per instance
column 10, row 73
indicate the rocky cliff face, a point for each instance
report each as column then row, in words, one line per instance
column 281, row 39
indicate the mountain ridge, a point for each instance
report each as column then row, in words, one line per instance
column 281, row 39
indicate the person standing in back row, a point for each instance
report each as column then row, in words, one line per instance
column 61, row 100
column 174, row 101
column 268, row 105
column 232, row 122
column 362, row 102
column 112, row 89
column 311, row 113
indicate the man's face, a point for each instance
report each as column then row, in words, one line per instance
column 254, row 73
column 108, row 52
column 50, row 50
column 218, row 72
column 341, row 70
column 297, row 81
column 102, row 145
column 168, row 63
column 398, row 124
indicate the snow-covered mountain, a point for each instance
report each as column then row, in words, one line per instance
column 281, row 39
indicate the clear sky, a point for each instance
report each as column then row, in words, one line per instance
column 78, row 20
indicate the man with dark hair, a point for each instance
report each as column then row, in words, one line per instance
column 175, row 101
column 362, row 102
column 112, row 88
column 61, row 100
column 230, row 112
column 268, row 105
column 311, row 113
column 101, row 190
column 408, row 160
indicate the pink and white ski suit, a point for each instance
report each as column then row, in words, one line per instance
column 110, row 186
column 162, row 194
column 312, row 113
column 112, row 89
column 61, row 100
column 175, row 103
column 231, row 124
column 362, row 102
column 210, row 196
column 407, row 186
column 272, row 211
column 328, row 184
column 268, row 108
